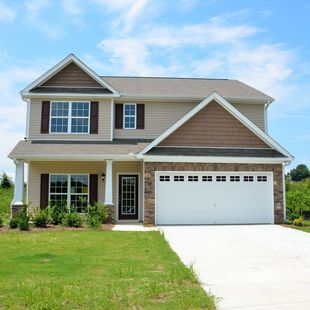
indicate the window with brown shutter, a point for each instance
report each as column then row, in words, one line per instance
column 140, row 116
column 94, row 114
column 45, row 117
column 44, row 190
column 119, row 116
column 93, row 191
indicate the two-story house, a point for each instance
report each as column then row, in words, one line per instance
column 157, row 150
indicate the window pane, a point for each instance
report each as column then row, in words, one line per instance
column 80, row 109
column 79, row 125
column 79, row 203
column 79, row 184
column 58, row 200
column 58, row 184
column 60, row 108
column 59, row 125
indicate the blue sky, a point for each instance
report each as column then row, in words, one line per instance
column 263, row 43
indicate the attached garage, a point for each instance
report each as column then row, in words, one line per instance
column 193, row 197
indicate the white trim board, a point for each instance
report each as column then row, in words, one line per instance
column 58, row 67
column 229, row 108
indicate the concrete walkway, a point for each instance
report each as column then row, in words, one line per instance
column 250, row 267
column 132, row 227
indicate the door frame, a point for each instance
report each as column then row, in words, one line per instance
column 173, row 172
column 117, row 195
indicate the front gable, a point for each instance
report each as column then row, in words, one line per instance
column 213, row 126
column 219, row 126
column 71, row 76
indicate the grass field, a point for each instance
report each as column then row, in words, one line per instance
column 87, row 269
column 305, row 227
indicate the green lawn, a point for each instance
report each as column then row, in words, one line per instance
column 86, row 269
column 305, row 228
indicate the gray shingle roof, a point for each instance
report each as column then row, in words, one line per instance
column 72, row 148
column 186, row 87
column 175, row 151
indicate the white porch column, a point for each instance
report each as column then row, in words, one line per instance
column 18, row 198
column 108, row 196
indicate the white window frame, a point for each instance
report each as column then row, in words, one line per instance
column 69, row 188
column 124, row 115
column 69, row 118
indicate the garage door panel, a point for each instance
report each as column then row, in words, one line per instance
column 224, row 200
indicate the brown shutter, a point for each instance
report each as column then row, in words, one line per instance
column 94, row 114
column 140, row 116
column 93, row 188
column 45, row 117
column 119, row 116
column 44, row 191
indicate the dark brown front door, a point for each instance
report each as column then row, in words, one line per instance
column 128, row 197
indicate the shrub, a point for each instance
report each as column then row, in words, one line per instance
column 57, row 213
column 1, row 222
column 72, row 220
column 93, row 221
column 298, row 222
column 293, row 216
column 23, row 219
column 97, row 214
column 13, row 223
column 40, row 217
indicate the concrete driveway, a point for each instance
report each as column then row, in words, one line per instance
column 256, row 267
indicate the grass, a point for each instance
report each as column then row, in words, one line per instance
column 87, row 269
column 305, row 227
column 6, row 196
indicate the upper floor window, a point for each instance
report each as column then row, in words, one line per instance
column 69, row 117
column 130, row 116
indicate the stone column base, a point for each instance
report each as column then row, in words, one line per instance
column 15, row 209
column 111, row 213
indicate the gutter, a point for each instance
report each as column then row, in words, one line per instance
column 284, row 188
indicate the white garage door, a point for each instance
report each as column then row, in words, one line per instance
column 214, row 198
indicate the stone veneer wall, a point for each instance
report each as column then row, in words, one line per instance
column 151, row 167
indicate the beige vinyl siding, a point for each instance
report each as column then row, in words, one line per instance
column 159, row 116
column 254, row 112
column 104, row 129
column 36, row 168
column 72, row 75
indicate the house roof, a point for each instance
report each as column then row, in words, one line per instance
column 231, row 152
column 184, row 87
column 76, row 149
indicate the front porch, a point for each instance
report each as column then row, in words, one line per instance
column 119, row 184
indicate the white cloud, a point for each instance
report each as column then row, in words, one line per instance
column 127, row 12
column 72, row 7
column 7, row 14
column 13, row 109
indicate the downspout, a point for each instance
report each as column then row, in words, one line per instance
column 265, row 115
column 284, row 189
column 27, row 118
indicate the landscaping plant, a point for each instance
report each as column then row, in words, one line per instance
column 13, row 223
column 23, row 219
column 298, row 222
column 72, row 220
column 57, row 213
column 97, row 214
column 40, row 217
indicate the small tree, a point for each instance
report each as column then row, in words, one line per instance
column 299, row 173
column 5, row 181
